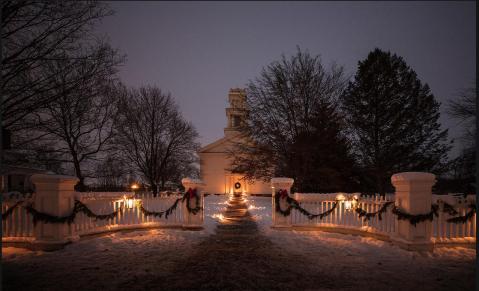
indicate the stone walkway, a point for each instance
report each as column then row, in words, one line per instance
column 238, row 257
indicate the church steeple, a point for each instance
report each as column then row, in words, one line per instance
column 236, row 110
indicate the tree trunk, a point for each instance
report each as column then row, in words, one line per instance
column 80, row 186
column 163, row 184
column 154, row 189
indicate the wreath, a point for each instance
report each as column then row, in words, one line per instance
column 237, row 185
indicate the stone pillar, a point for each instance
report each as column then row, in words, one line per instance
column 193, row 221
column 414, row 196
column 54, row 195
column 278, row 184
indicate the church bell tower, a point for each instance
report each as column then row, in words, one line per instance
column 236, row 111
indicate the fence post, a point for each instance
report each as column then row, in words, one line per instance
column 193, row 221
column 414, row 196
column 280, row 184
column 54, row 195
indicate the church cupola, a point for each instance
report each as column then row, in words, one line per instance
column 236, row 111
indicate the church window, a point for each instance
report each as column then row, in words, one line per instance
column 236, row 121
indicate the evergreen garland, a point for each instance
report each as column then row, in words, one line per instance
column 415, row 218
column 191, row 193
column 368, row 215
column 283, row 194
column 10, row 210
column 463, row 219
column 447, row 208
column 79, row 207
column 159, row 214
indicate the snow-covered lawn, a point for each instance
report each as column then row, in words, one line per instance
column 370, row 260
column 108, row 260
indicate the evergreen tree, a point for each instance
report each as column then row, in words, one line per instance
column 393, row 120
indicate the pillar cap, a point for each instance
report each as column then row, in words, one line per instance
column 282, row 180
column 192, row 181
column 413, row 177
column 46, row 178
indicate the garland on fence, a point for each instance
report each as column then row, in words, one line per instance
column 79, row 207
column 415, row 218
column 191, row 193
column 463, row 219
column 283, row 194
column 159, row 214
column 10, row 210
column 449, row 209
column 368, row 215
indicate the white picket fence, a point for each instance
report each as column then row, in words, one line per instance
column 18, row 227
column 342, row 217
column 447, row 232
column 347, row 219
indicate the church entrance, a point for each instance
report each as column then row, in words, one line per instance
column 236, row 185
column 238, row 188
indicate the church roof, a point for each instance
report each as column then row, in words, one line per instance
column 218, row 146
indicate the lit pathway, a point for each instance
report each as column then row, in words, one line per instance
column 238, row 257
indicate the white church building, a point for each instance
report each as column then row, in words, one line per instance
column 214, row 161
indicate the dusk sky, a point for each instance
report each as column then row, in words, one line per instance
column 197, row 51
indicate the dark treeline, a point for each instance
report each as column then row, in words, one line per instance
column 310, row 123
column 64, row 109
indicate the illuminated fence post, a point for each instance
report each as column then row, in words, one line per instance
column 276, row 185
column 54, row 195
column 413, row 196
column 193, row 220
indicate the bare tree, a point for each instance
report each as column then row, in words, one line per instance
column 35, row 33
column 463, row 167
column 153, row 136
column 111, row 173
column 463, row 109
column 293, row 127
column 78, row 125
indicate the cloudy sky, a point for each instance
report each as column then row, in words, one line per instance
column 197, row 51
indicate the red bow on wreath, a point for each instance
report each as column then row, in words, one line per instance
column 283, row 194
column 192, row 192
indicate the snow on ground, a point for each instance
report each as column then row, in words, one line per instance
column 99, row 262
column 107, row 259
column 215, row 205
column 260, row 210
column 124, row 240
column 112, row 260
column 356, row 256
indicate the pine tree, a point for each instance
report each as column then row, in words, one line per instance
column 393, row 120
